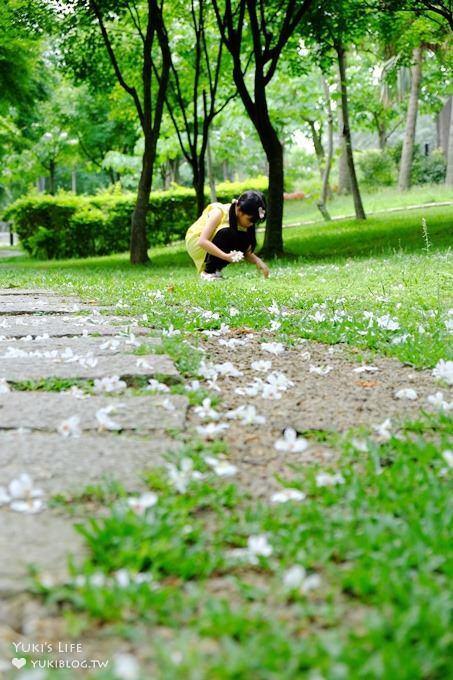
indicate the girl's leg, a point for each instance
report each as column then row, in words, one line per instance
column 226, row 240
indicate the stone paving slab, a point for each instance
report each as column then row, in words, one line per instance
column 35, row 325
column 45, row 411
column 124, row 366
column 24, row 305
column 44, row 540
column 32, row 292
column 62, row 465
column 79, row 345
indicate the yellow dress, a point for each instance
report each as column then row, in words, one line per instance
column 195, row 251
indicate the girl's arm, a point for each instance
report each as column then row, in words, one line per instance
column 254, row 259
column 207, row 234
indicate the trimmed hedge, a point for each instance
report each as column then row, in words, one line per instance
column 67, row 225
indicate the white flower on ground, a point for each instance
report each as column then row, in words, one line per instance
column 317, row 316
column 70, row 427
column 211, row 430
column 206, row 411
column 77, row 393
column 258, row 546
column 125, row 667
column 4, row 387
column 232, row 343
column 157, row 386
column 142, row 363
column 286, row 495
column 23, row 497
column 179, row 477
column 222, row 467
column 262, row 365
column 193, row 386
column 247, row 415
column 139, row 504
column 406, row 393
column 326, row 479
column 272, row 347
column 383, row 430
column 321, row 370
column 111, row 343
column 233, row 311
column 207, row 371
column 443, row 370
column 437, row 400
column 275, row 325
column 171, row 332
column 279, row 381
column 274, row 309
column 109, row 384
column 227, row 369
column 387, row 323
column 306, row 356
column 448, row 457
column 291, row 442
column 365, row 369
column 251, row 389
column 168, row 405
column 104, row 420
column 359, row 445
column 295, row 578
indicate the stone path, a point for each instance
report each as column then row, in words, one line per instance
column 45, row 336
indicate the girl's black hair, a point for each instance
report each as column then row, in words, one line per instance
column 253, row 204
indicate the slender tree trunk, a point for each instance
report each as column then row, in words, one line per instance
column 74, row 181
column 317, row 143
column 212, row 188
column 328, row 160
column 52, row 178
column 273, row 237
column 449, row 177
column 199, row 177
column 358, row 206
column 139, row 239
column 344, row 181
column 411, row 121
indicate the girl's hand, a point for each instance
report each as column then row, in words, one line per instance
column 264, row 269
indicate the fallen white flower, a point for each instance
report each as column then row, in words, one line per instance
column 139, row 504
column 222, row 467
column 206, row 411
column 295, row 578
column 210, row 430
column 437, row 400
column 125, row 667
column 291, row 442
column 236, row 255
column 448, row 457
column 383, row 430
column 109, row 384
column 227, row 369
column 406, row 393
column 157, row 386
column 365, row 369
column 273, row 347
column 4, row 387
column 387, row 323
column 286, row 495
column 321, row 370
column 23, row 496
column 359, row 445
column 180, row 477
column 69, row 427
column 105, row 422
column 443, row 370
column 326, row 479
column 247, row 415
column 168, row 405
column 262, row 365
column 279, row 380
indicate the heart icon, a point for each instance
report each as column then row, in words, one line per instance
column 18, row 662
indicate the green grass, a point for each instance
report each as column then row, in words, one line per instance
column 379, row 542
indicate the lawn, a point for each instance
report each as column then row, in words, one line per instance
column 349, row 582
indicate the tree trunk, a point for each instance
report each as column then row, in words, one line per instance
column 273, row 237
column 139, row 239
column 198, row 183
column 212, row 188
column 52, row 178
column 411, row 121
column 344, row 181
column 74, row 181
column 346, row 132
column 317, row 143
column 449, row 177
column 328, row 160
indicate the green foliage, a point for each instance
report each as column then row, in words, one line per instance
column 67, row 226
column 430, row 169
column 376, row 168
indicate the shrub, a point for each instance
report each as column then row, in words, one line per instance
column 376, row 168
column 66, row 225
